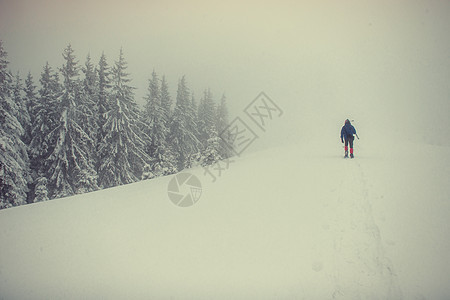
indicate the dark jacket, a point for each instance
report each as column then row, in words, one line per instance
column 347, row 131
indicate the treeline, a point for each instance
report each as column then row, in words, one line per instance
column 81, row 130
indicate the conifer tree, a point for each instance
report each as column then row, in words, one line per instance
column 222, row 123
column 192, row 123
column 21, row 109
column 166, row 101
column 211, row 153
column 87, row 108
column 123, row 144
column 104, row 85
column 206, row 117
column 45, row 117
column 155, row 119
column 168, row 163
column 14, row 164
column 30, row 101
column 41, row 192
column 70, row 162
column 183, row 128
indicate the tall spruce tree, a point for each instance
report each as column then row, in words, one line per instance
column 88, row 109
column 206, row 117
column 153, row 115
column 71, row 170
column 222, row 123
column 21, row 107
column 45, row 115
column 168, row 163
column 41, row 192
column 122, row 147
column 211, row 153
column 30, row 101
column 166, row 101
column 155, row 118
column 14, row 164
column 89, row 96
column 104, row 86
column 183, row 128
column 87, row 177
column 208, row 130
column 192, row 123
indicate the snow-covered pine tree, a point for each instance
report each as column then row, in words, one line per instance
column 195, row 157
column 154, row 117
column 5, row 75
column 211, row 153
column 192, row 126
column 183, row 138
column 22, row 114
column 70, row 162
column 87, row 116
column 30, row 101
column 21, row 109
column 166, row 101
column 168, row 164
column 104, row 86
column 222, row 123
column 90, row 92
column 14, row 164
column 194, row 112
column 206, row 116
column 41, row 192
column 45, row 118
column 123, row 145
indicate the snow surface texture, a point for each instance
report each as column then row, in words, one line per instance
column 286, row 222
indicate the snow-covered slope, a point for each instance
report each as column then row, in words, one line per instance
column 296, row 221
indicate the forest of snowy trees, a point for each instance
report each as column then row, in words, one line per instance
column 81, row 130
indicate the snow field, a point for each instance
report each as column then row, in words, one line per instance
column 284, row 222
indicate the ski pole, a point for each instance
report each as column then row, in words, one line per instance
column 357, row 136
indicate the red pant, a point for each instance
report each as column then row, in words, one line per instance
column 349, row 140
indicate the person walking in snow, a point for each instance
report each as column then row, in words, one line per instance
column 347, row 133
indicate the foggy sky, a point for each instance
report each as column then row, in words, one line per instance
column 379, row 62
